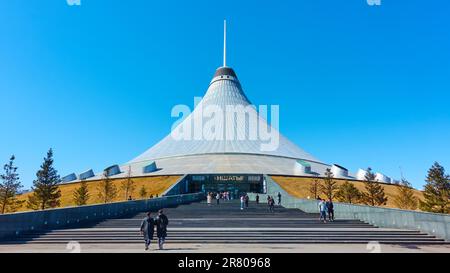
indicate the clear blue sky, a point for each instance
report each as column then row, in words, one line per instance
column 357, row 85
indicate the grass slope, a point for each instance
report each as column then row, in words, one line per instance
column 299, row 187
column 153, row 184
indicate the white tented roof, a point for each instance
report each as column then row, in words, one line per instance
column 224, row 90
column 241, row 155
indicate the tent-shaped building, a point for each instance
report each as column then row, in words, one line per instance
column 227, row 156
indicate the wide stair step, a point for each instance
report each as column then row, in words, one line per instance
column 198, row 223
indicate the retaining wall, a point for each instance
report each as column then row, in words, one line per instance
column 14, row 224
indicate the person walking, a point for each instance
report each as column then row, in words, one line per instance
column 322, row 211
column 330, row 210
column 148, row 229
column 161, row 228
column 247, row 199
column 279, row 198
column 242, row 202
column 218, row 198
column 271, row 204
column 257, row 198
column 208, row 199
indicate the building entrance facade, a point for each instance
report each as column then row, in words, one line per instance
column 236, row 184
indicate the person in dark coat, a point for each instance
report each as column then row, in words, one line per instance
column 161, row 228
column 330, row 210
column 257, row 198
column 271, row 204
column 148, row 229
column 217, row 198
column 246, row 200
column 279, row 198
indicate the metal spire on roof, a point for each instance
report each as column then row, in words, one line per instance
column 224, row 43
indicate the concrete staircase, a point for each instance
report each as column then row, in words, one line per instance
column 199, row 223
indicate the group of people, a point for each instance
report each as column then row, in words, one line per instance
column 210, row 196
column 244, row 201
column 270, row 201
column 148, row 228
column 224, row 195
column 326, row 208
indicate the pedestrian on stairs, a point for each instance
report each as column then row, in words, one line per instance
column 218, row 198
column 323, row 210
column 209, row 199
column 330, row 210
column 161, row 228
column 271, row 204
column 247, row 199
column 257, row 198
column 148, row 229
column 279, row 198
column 242, row 202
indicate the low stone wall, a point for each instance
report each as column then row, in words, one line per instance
column 14, row 224
column 431, row 223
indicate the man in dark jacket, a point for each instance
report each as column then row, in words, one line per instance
column 148, row 229
column 271, row 204
column 330, row 210
column 279, row 198
column 161, row 228
column 257, row 198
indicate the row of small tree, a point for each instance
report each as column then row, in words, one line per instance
column 372, row 195
column 46, row 192
column 107, row 190
column 436, row 192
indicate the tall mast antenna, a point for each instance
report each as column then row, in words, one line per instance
column 224, row 43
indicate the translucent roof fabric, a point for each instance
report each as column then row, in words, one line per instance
column 234, row 135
